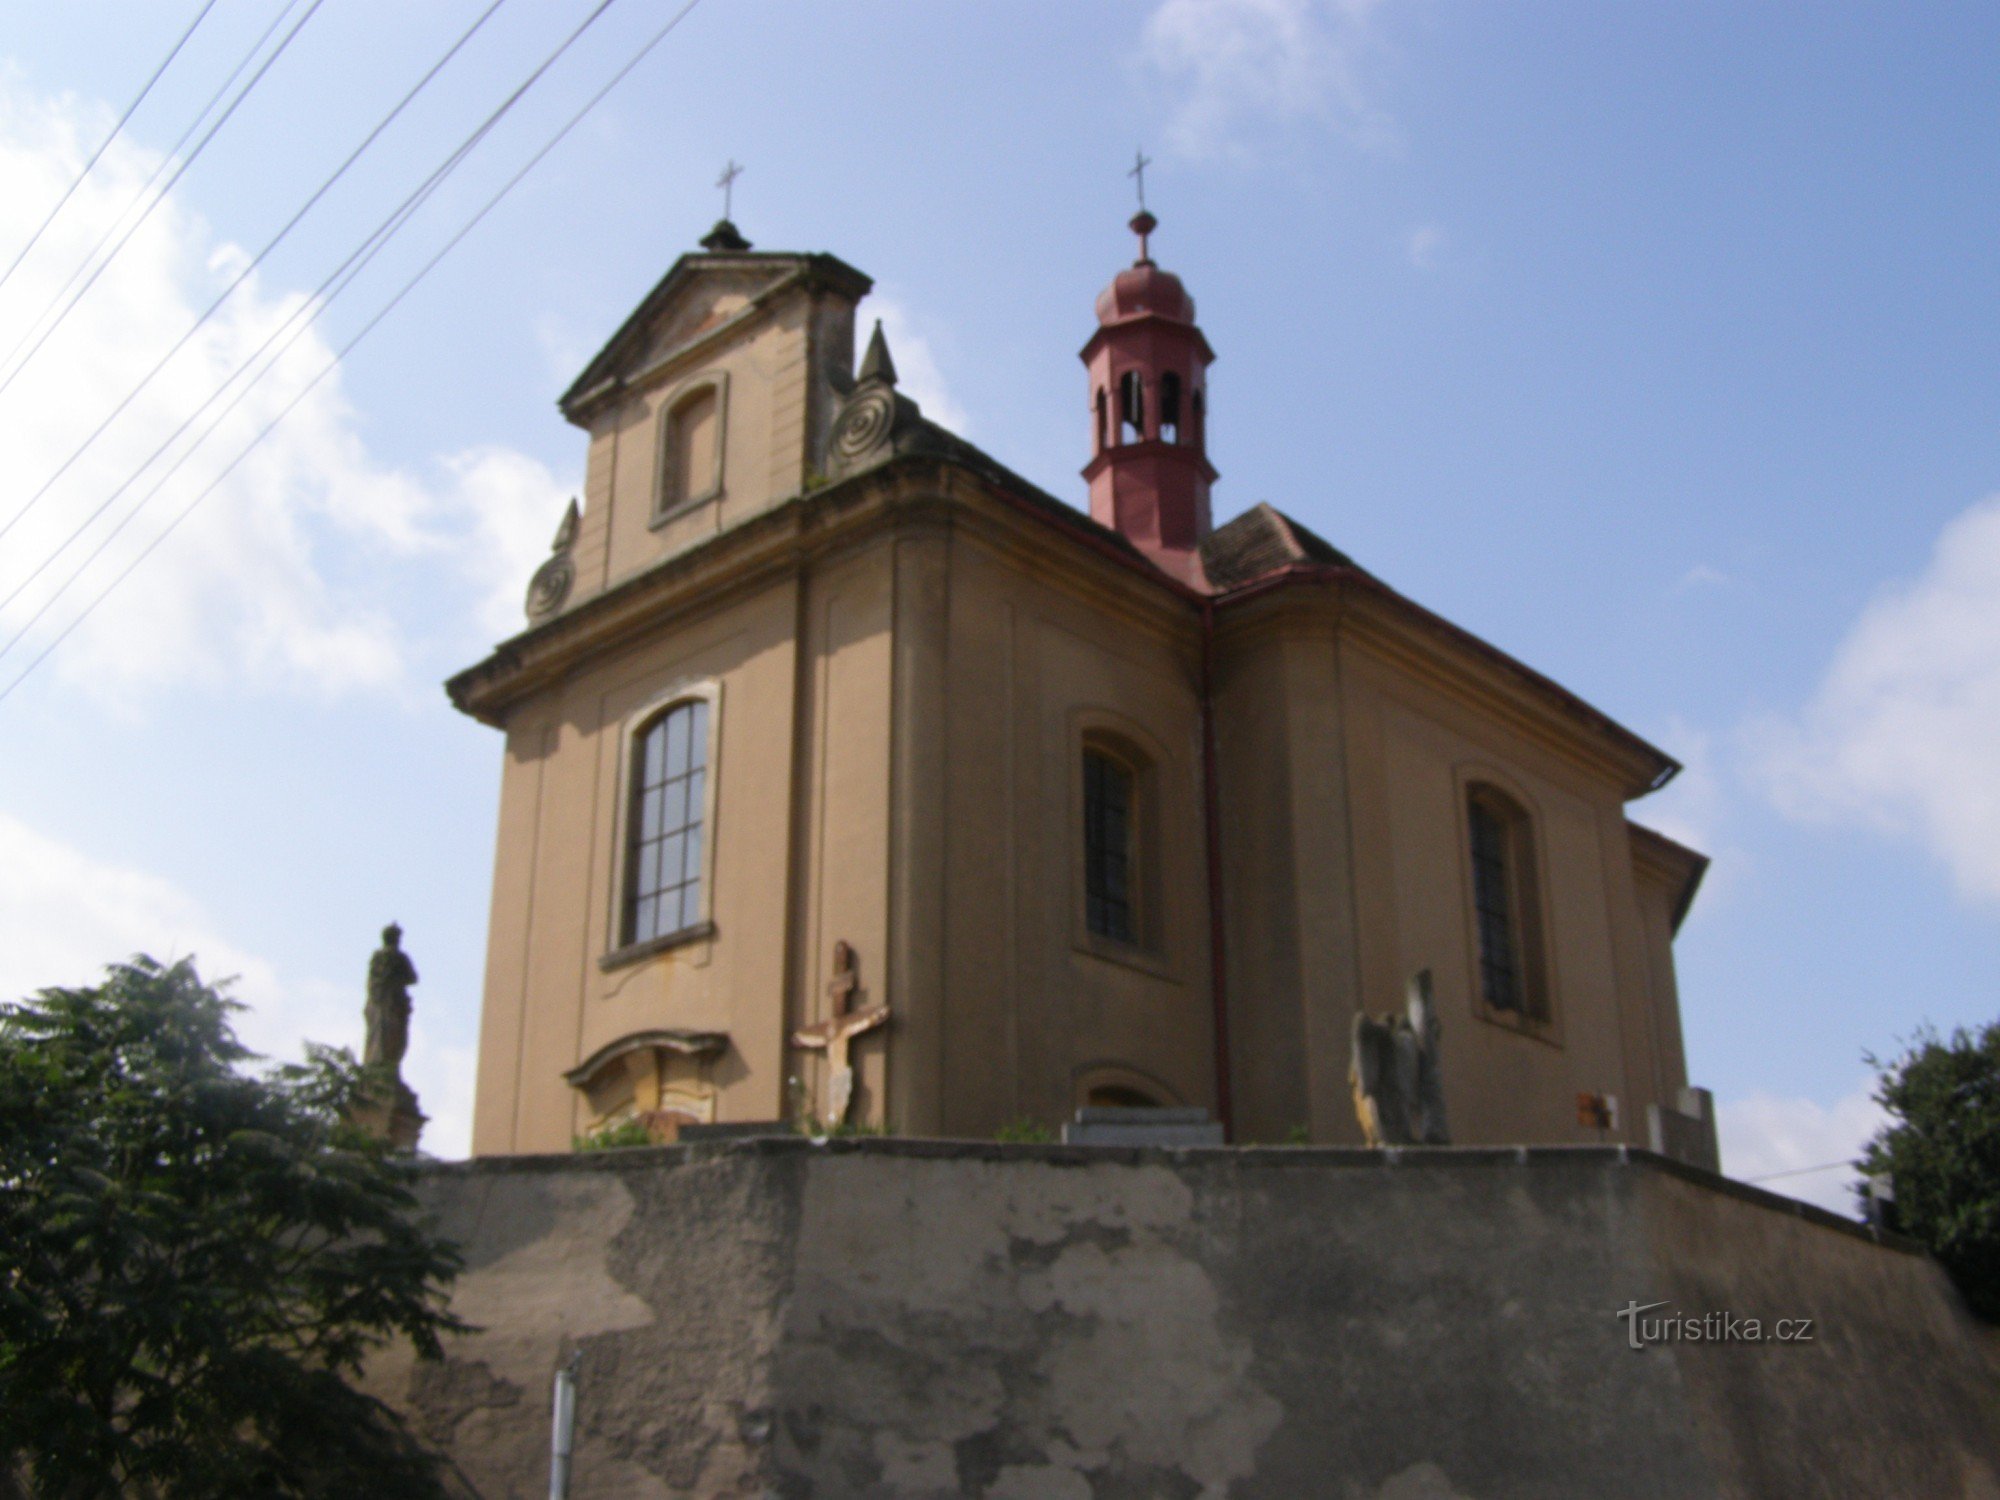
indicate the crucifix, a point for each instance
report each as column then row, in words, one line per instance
column 1140, row 161
column 727, row 182
column 836, row 1033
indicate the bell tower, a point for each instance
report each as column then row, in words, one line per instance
column 1149, row 471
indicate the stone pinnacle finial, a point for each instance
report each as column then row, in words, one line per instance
column 876, row 364
column 1142, row 225
column 725, row 236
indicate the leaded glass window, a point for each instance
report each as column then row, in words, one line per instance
column 1107, row 847
column 663, row 846
column 1499, row 952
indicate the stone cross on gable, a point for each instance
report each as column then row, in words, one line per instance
column 835, row 1035
column 727, row 182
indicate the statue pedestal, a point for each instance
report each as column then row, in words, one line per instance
column 389, row 1114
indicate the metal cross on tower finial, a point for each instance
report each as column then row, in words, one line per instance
column 727, row 182
column 1140, row 161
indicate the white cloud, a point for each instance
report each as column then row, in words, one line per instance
column 68, row 914
column 1423, row 246
column 294, row 573
column 566, row 347
column 918, row 375
column 1904, row 732
column 1701, row 576
column 1231, row 64
column 1765, row 1134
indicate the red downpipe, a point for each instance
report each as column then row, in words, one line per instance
column 1225, row 1107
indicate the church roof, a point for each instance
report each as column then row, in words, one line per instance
column 1261, row 541
column 1142, row 289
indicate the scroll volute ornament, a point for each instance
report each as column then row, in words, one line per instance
column 868, row 420
column 553, row 579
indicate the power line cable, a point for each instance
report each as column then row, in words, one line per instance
column 322, row 297
column 291, row 330
column 333, row 364
column 179, row 171
column 171, row 156
column 97, row 155
column 1801, row 1171
column 241, row 276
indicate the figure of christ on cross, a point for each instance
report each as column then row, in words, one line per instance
column 836, row 1033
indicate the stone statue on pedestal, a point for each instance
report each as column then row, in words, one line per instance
column 1397, row 1073
column 390, row 975
column 389, row 1110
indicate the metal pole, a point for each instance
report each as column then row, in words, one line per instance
column 562, row 1430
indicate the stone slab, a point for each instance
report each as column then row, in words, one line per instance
column 1193, row 1133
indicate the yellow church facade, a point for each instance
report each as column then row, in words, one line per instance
column 821, row 712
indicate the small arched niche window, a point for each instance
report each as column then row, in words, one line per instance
column 1170, row 407
column 663, row 844
column 1119, row 1096
column 1114, row 1085
column 1195, row 412
column 1103, row 418
column 691, row 448
column 1506, row 907
column 1131, row 407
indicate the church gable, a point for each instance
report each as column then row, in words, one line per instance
column 695, row 302
column 709, row 404
column 701, row 307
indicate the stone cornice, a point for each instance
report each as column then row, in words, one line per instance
column 1676, row 865
column 1014, row 517
column 909, row 493
column 1450, row 658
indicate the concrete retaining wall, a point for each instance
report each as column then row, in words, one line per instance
column 911, row 1318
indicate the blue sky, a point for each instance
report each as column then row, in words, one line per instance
column 1654, row 342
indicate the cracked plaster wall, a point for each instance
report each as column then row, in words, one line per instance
column 931, row 1319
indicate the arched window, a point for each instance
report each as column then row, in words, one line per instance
column 1103, row 418
column 1506, row 907
column 1170, row 407
column 1195, row 412
column 664, row 824
column 1110, row 795
column 1131, row 407
column 691, row 449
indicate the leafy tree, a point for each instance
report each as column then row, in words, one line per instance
column 193, row 1258
column 1942, row 1153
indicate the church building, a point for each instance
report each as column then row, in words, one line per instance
column 849, row 775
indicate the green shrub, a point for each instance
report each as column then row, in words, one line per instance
column 1942, row 1153
column 1024, row 1132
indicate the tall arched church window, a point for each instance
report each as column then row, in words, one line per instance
column 1131, row 407
column 1506, row 907
column 663, row 868
column 1170, row 407
column 1195, row 411
column 691, row 448
column 1109, row 868
column 1103, row 419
